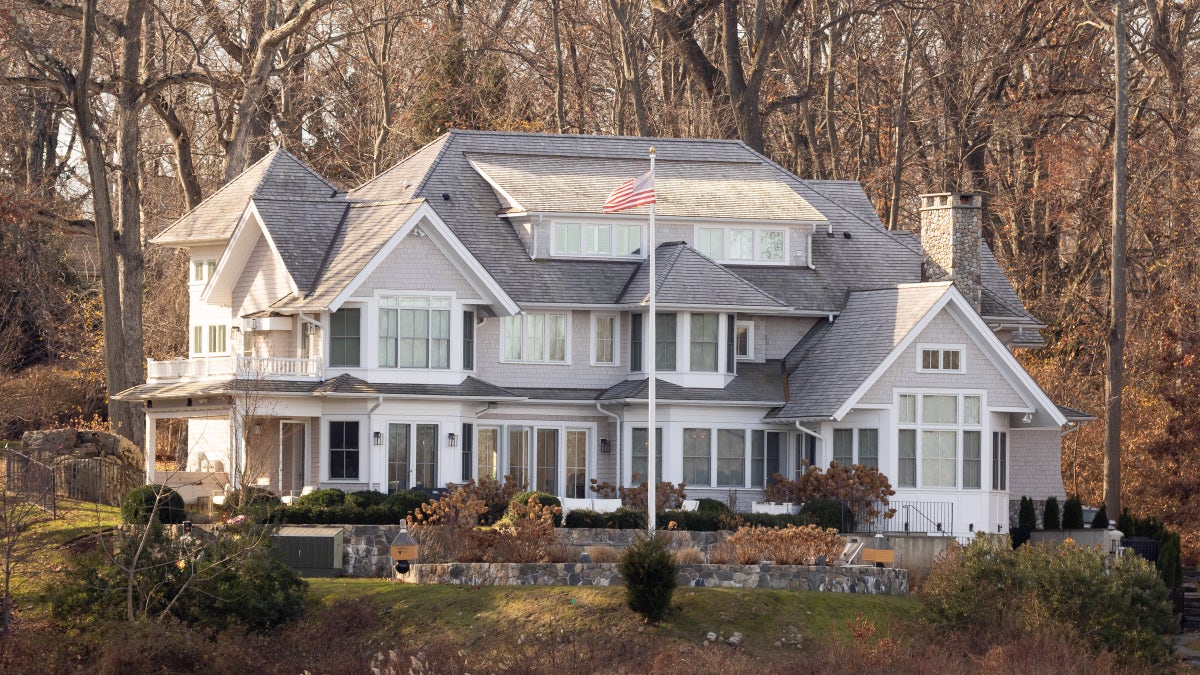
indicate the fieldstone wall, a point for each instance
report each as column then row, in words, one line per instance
column 870, row 580
column 582, row 537
column 950, row 240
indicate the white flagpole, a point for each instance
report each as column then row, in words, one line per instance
column 652, row 370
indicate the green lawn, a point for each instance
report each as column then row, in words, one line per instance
column 48, row 536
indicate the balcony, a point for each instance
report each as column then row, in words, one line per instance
column 242, row 367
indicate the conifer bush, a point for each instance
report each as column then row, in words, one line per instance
column 1072, row 517
column 1050, row 516
column 649, row 573
column 1100, row 521
column 158, row 500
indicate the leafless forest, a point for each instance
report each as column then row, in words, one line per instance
column 160, row 101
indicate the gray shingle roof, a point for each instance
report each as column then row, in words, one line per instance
column 684, row 187
column 830, row 363
column 302, row 231
column 1074, row 415
column 755, row 383
column 279, row 175
column 363, row 231
column 687, row 277
column 555, row 393
column 471, row 387
column 161, row 390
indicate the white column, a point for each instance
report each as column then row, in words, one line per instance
column 151, row 424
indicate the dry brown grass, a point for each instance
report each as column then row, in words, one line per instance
column 603, row 554
column 689, row 556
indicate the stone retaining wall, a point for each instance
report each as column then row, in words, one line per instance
column 870, row 580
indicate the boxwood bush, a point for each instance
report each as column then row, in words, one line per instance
column 162, row 501
column 322, row 498
column 332, row 507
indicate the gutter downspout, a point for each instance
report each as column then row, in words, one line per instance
column 808, row 431
column 618, row 449
column 371, row 436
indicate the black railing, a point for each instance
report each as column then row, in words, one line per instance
column 914, row 517
column 30, row 480
column 97, row 479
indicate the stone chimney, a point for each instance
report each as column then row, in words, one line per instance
column 950, row 238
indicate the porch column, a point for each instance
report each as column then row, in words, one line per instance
column 151, row 428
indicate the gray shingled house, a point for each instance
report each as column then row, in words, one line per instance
column 471, row 312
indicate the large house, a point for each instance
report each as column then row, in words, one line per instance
column 472, row 312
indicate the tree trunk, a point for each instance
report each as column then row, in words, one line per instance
column 1116, row 327
column 560, row 107
column 901, row 122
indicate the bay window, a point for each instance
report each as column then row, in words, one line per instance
column 742, row 244
column 705, row 342
column 664, row 339
column 597, row 240
column 414, row 332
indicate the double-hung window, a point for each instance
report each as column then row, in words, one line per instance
column 202, row 270
column 939, row 435
column 344, row 334
column 664, row 339
column 697, row 456
column 414, row 332
column 743, row 339
column 343, row 450
column 731, row 457
column 536, row 337
column 856, row 446
column 640, row 455
column 705, row 342
column 999, row 460
column 934, row 359
column 210, row 339
column 604, row 339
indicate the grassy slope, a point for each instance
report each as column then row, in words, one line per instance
column 75, row 519
column 488, row 618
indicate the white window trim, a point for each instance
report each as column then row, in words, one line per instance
column 376, row 308
column 757, row 229
column 209, row 265
column 366, row 351
column 546, row 345
column 962, row 357
column 438, row 438
column 581, row 222
column 616, row 338
column 364, row 449
column 204, row 348
column 503, row 449
column 749, row 355
column 983, row 427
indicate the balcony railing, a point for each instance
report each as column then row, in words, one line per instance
column 244, row 367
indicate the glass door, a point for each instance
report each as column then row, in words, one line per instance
column 576, row 487
column 547, row 461
column 398, row 457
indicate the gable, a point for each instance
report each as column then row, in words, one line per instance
column 417, row 264
column 978, row 373
column 263, row 281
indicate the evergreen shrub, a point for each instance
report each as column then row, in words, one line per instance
column 649, row 573
column 161, row 501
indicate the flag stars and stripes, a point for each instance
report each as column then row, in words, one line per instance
column 632, row 193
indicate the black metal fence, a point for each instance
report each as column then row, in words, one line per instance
column 914, row 517
column 95, row 479
column 30, row 480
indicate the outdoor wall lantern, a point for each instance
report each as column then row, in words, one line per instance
column 605, row 446
column 377, row 438
column 452, row 439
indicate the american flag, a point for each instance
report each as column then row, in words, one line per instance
column 633, row 192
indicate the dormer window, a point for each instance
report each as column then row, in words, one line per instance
column 745, row 245
column 597, row 240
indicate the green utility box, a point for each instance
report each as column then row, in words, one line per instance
column 311, row 551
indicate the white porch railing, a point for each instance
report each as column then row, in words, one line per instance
column 229, row 366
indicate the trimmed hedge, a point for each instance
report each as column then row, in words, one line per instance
column 692, row 521
column 713, row 506
column 162, row 501
column 346, row 509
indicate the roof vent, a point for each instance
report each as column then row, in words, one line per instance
column 446, row 196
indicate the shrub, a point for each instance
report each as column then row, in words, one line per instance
column 603, row 554
column 1100, row 521
column 790, row 545
column 996, row 590
column 712, row 506
column 649, row 576
column 1072, row 514
column 543, row 498
column 1027, row 515
column 404, row 502
column 723, row 553
column 666, row 495
column 322, row 498
column 829, row 513
column 626, row 519
column 496, row 496
column 585, row 518
column 365, row 499
column 689, row 556
column 1050, row 517
column 526, row 533
column 160, row 501
column 562, row 553
column 694, row 521
column 1126, row 526
column 1170, row 566
column 442, row 527
column 863, row 489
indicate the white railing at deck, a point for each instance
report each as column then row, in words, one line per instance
column 228, row 366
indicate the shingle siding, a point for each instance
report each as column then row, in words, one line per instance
column 979, row 373
column 489, row 341
column 417, row 264
column 1035, row 464
column 263, row 281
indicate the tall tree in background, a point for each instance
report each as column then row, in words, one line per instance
column 1115, row 344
